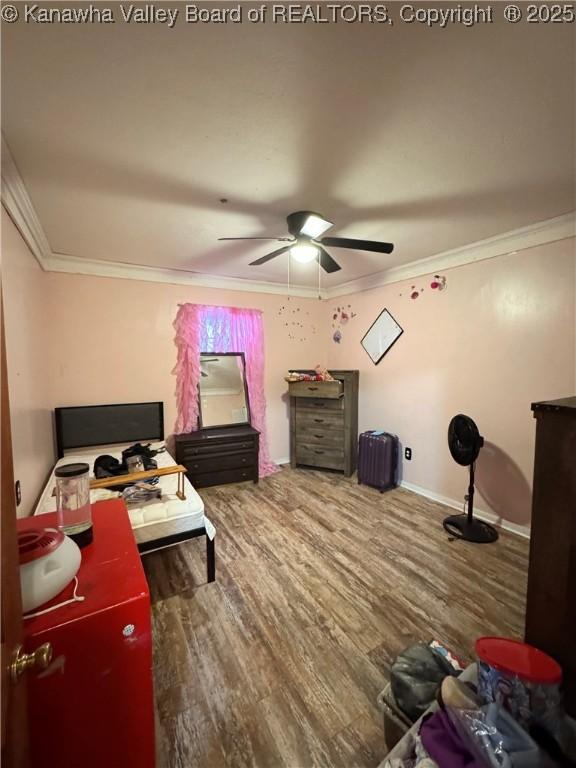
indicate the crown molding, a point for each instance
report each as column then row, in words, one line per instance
column 558, row 228
column 549, row 231
column 19, row 207
column 59, row 262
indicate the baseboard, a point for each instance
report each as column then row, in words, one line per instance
column 481, row 514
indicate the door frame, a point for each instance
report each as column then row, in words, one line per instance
column 14, row 720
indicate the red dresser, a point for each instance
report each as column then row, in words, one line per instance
column 93, row 706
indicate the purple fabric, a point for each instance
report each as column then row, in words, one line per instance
column 442, row 742
column 203, row 328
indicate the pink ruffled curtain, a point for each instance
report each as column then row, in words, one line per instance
column 203, row 328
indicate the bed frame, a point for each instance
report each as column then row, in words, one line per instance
column 177, row 538
column 89, row 425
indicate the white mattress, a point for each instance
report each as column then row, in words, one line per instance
column 189, row 513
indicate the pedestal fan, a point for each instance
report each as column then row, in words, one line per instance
column 465, row 441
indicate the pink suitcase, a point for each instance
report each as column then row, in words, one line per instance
column 378, row 460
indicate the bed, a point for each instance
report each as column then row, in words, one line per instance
column 85, row 432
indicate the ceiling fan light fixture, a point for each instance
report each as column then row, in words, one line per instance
column 315, row 225
column 307, row 243
column 304, row 252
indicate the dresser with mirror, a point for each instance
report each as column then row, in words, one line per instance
column 225, row 447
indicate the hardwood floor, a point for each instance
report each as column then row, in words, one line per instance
column 320, row 582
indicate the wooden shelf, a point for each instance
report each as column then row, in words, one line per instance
column 135, row 477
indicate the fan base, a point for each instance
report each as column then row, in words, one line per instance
column 474, row 530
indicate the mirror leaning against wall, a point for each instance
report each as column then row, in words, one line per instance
column 223, row 394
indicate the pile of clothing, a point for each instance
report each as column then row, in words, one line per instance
column 132, row 492
column 468, row 729
column 463, row 733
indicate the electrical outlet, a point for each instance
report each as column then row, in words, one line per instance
column 18, row 492
column 408, row 454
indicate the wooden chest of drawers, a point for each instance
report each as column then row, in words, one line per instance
column 220, row 455
column 551, row 597
column 324, row 423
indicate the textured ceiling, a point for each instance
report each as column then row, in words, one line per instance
column 127, row 136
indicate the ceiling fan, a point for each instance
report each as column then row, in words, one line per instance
column 207, row 360
column 306, row 242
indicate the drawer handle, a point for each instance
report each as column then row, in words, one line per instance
column 244, row 461
column 195, row 466
column 319, row 436
column 318, row 451
column 313, row 389
column 318, row 404
column 319, row 421
column 243, row 474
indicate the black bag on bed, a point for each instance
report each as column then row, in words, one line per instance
column 108, row 466
column 142, row 450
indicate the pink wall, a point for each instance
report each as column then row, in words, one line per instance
column 27, row 328
column 112, row 341
column 501, row 336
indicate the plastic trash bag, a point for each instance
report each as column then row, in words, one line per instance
column 415, row 677
column 495, row 737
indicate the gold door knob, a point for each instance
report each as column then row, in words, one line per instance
column 21, row 661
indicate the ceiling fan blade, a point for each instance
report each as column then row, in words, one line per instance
column 359, row 245
column 264, row 259
column 278, row 239
column 327, row 262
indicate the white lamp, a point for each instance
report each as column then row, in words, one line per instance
column 304, row 252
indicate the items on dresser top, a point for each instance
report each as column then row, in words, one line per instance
column 219, row 455
column 324, row 422
column 320, row 374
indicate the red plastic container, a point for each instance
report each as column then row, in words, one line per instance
column 521, row 678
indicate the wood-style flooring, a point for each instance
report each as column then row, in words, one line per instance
column 320, row 582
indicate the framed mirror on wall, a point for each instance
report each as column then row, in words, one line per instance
column 223, row 394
